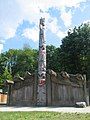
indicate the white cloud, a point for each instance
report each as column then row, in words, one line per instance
column 10, row 32
column 1, row 47
column 31, row 34
column 61, row 34
column 14, row 12
column 7, row 31
column 55, row 28
column 86, row 21
column 46, row 4
column 66, row 17
column 2, row 41
column 10, row 17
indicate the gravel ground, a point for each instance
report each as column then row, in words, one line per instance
column 54, row 109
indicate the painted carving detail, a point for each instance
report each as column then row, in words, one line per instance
column 41, row 96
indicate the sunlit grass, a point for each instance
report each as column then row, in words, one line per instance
column 43, row 116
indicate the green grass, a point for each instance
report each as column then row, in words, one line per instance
column 43, row 116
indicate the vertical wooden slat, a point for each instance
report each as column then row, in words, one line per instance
column 48, row 90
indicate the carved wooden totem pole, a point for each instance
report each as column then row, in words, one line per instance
column 41, row 96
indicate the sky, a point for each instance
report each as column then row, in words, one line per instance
column 19, row 21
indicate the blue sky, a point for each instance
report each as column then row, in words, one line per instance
column 19, row 21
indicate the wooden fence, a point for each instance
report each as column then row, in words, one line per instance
column 23, row 91
column 64, row 92
column 3, row 98
column 61, row 90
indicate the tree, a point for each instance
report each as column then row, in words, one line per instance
column 26, row 61
column 53, row 58
column 17, row 62
column 6, row 75
column 75, row 49
column 3, row 62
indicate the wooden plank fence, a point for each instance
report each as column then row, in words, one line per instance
column 3, row 98
column 61, row 90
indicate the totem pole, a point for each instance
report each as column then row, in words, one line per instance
column 41, row 96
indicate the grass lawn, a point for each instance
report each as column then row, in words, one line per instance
column 43, row 116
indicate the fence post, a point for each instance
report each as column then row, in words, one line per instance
column 9, row 92
column 35, row 87
column 48, row 90
column 86, row 94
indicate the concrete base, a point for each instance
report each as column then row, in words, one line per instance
column 81, row 104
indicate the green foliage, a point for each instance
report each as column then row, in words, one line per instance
column 15, row 62
column 50, row 56
column 75, row 50
column 53, row 58
column 73, row 55
column 6, row 75
column 26, row 61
